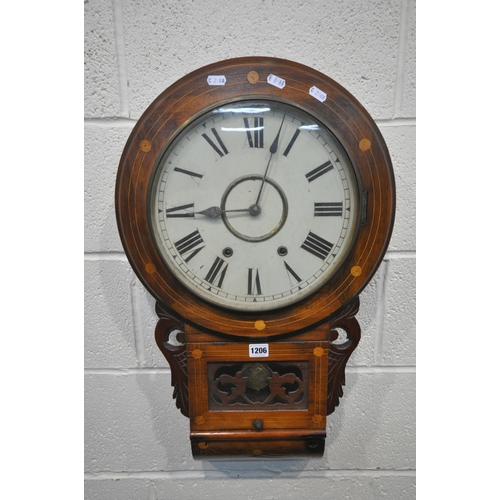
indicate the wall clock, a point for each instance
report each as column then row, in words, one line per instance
column 255, row 200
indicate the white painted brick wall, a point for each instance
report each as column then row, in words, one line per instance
column 137, row 442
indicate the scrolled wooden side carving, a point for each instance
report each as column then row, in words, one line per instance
column 339, row 352
column 174, row 354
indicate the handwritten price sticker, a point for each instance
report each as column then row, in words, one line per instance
column 216, row 80
column 317, row 94
column 276, row 81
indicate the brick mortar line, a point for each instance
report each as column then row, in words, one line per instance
column 139, row 341
column 381, row 311
column 164, row 370
column 397, row 122
column 242, row 474
column 110, row 122
column 120, row 121
column 401, row 59
column 121, row 58
column 120, row 256
column 400, row 254
column 96, row 256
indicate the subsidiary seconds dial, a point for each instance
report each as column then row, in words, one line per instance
column 254, row 205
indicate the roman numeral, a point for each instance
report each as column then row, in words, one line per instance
column 190, row 245
column 217, row 271
column 187, row 172
column 317, row 246
column 292, row 272
column 328, row 209
column 319, row 171
column 292, row 142
column 254, row 282
column 214, row 146
column 171, row 212
column 258, row 132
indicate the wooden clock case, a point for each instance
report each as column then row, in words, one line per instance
column 240, row 406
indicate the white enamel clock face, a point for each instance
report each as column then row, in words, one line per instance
column 254, row 206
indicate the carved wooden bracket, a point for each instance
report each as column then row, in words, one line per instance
column 175, row 353
column 340, row 349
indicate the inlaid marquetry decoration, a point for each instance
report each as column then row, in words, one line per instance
column 255, row 200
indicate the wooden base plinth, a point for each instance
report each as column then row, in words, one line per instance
column 258, row 445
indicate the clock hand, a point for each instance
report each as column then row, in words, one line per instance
column 272, row 150
column 215, row 212
column 274, row 145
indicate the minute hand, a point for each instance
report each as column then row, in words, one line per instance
column 272, row 150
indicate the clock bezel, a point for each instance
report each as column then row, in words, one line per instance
column 189, row 98
column 172, row 144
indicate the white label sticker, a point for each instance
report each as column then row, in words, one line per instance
column 258, row 350
column 276, row 81
column 216, row 80
column 317, row 94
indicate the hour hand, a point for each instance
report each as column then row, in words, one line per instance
column 215, row 212
column 212, row 212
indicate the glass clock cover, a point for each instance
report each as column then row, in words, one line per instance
column 254, row 205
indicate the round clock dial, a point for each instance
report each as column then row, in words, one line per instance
column 254, row 205
column 255, row 197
